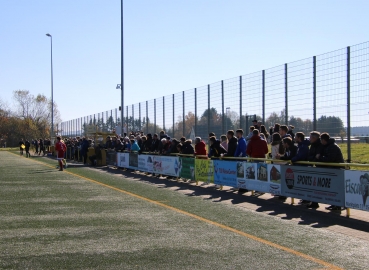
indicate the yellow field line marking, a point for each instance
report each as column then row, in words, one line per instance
column 225, row 227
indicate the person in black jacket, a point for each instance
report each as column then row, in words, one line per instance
column 232, row 143
column 187, row 148
column 290, row 149
column 27, row 145
column 155, row 143
column 216, row 148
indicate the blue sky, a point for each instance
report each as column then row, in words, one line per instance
column 170, row 46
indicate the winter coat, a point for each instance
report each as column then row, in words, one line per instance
column 155, row 145
column 331, row 153
column 315, row 148
column 241, row 148
column 302, row 151
column 232, row 146
column 257, row 147
column 135, row 147
column 290, row 152
column 200, row 149
column 84, row 147
column 217, row 149
column 187, row 148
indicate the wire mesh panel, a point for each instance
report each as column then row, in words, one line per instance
column 136, row 117
column 189, row 115
column 151, row 117
column 159, row 114
column 178, row 114
column 332, row 92
column 168, row 113
column 143, row 117
column 301, row 95
column 216, row 110
column 231, row 104
column 252, row 101
column 202, row 115
column 130, row 120
column 275, row 98
column 359, row 63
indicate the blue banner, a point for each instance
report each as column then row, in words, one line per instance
column 225, row 173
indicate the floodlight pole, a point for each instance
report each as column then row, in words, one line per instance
column 52, row 88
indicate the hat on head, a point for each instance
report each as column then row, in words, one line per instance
column 254, row 120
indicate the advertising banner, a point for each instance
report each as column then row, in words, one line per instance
column 145, row 163
column 166, row 165
column 204, row 170
column 133, row 161
column 357, row 190
column 122, row 160
column 225, row 173
column 314, row 184
column 187, row 168
column 111, row 158
column 260, row 177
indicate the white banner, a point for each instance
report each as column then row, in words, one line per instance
column 357, row 190
column 166, row 165
column 122, row 160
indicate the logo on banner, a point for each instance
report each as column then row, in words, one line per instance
column 176, row 166
column 360, row 189
column 290, row 178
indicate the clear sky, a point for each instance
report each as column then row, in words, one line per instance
column 170, row 45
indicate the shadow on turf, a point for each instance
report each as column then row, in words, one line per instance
column 273, row 206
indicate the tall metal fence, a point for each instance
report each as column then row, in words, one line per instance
column 327, row 92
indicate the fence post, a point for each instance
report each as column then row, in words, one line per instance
column 348, row 106
column 147, row 117
column 173, row 116
column 240, row 103
column 139, row 115
column 154, row 115
column 314, row 93
column 195, row 111
column 127, row 118
column 164, row 113
column 208, row 108
column 286, row 92
column 223, row 118
column 133, row 117
column 184, row 124
column 263, row 97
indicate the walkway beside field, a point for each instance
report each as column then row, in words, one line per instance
column 94, row 218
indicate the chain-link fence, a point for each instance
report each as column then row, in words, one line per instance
column 328, row 93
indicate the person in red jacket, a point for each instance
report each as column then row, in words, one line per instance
column 60, row 147
column 200, row 147
column 257, row 147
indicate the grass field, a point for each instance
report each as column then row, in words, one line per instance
column 92, row 219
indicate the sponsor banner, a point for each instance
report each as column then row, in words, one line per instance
column 357, row 190
column 204, row 170
column 187, row 168
column 145, row 163
column 111, row 158
column 225, row 173
column 241, row 174
column 133, row 161
column 314, row 184
column 122, row 160
column 166, row 165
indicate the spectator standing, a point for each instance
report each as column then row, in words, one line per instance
column 255, row 123
column 134, row 146
column 155, row 143
column 302, row 148
column 265, row 132
column 331, row 153
column 42, row 147
column 216, row 148
column 60, row 147
column 21, row 145
column 187, row 148
column 276, row 145
column 249, row 136
column 84, row 149
column 224, row 142
column 200, row 147
column 27, row 146
column 290, row 149
column 241, row 146
column 232, row 144
column 257, row 147
column 290, row 131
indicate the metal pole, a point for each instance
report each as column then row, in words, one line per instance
column 127, row 118
column 122, row 69
column 154, row 115
column 286, row 92
column 263, row 97
column 52, row 87
column 348, row 107
column 314, row 93
column 139, row 115
column 147, row 117
column 173, row 115
column 183, row 112
column 208, row 109
column 195, row 111
column 163, row 113
column 223, row 118
column 133, row 118
column 241, row 103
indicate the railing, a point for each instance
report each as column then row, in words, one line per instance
column 312, row 181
